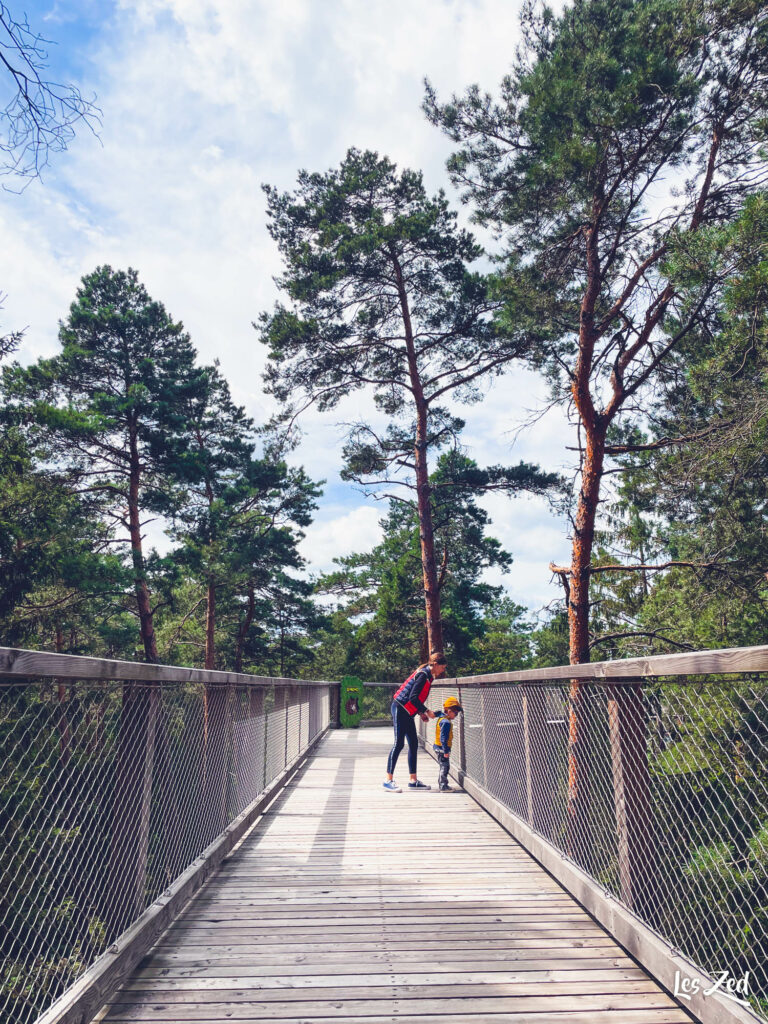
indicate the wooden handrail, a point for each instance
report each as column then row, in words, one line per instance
column 17, row 663
column 728, row 661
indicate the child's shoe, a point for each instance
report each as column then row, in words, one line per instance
column 418, row 785
column 392, row 786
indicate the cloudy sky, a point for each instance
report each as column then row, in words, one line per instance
column 202, row 102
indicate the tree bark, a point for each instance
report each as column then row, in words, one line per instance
column 423, row 489
column 65, row 732
column 146, row 624
column 426, row 534
column 583, row 542
column 210, row 626
column 242, row 632
column 578, row 838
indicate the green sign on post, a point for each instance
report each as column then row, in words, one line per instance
column 351, row 702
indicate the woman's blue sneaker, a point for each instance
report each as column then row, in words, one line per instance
column 392, row 786
column 418, row 785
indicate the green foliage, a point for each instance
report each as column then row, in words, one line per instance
column 693, row 490
column 121, row 426
column 345, row 236
column 381, row 590
column 382, row 297
column 606, row 104
column 238, row 529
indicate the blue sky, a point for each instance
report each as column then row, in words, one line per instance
column 202, row 102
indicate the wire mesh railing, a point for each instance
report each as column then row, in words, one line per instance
column 656, row 787
column 109, row 790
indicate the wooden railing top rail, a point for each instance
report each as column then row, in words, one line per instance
column 17, row 663
column 728, row 661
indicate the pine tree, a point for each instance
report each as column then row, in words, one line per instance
column 606, row 107
column 240, row 519
column 381, row 592
column 115, row 403
column 381, row 297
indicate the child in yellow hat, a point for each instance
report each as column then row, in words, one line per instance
column 444, row 739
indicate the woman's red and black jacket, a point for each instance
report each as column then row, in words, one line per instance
column 415, row 690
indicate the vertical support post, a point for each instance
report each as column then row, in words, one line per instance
column 132, row 799
column 255, row 701
column 635, row 825
column 174, row 845
column 462, row 737
column 335, row 705
column 217, row 759
column 285, row 692
column 483, row 734
column 256, row 710
column 513, row 783
column 578, row 839
column 257, row 704
column 299, row 695
column 537, row 760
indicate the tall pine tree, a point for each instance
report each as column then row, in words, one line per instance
column 115, row 402
column 382, row 297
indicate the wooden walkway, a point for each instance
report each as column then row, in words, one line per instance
column 350, row 904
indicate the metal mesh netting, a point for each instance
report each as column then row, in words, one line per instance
column 376, row 702
column 108, row 791
column 661, row 796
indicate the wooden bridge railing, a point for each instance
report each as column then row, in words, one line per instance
column 642, row 785
column 122, row 786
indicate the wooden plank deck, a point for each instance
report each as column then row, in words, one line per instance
column 348, row 903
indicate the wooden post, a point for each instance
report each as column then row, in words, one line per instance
column 537, row 759
column 174, row 838
column 299, row 696
column 578, row 837
column 281, row 703
column 483, row 732
column 256, row 710
column 635, row 824
column 335, row 705
column 462, row 737
column 132, row 799
column 288, row 701
column 512, row 739
column 217, row 741
column 255, row 701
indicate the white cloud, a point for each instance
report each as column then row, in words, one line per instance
column 340, row 532
column 202, row 102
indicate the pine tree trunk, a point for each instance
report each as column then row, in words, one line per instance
column 146, row 624
column 578, row 828
column 426, row 536
column 580, row 695
column 210, row 626
column 583, row 542
column 423, row 490
column 242, row 632
column 136, row 738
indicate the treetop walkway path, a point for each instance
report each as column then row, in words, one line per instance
column 182, row 845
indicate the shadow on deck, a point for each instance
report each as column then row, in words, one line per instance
column 348, row 903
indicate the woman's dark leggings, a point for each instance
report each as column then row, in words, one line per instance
column 405, row 729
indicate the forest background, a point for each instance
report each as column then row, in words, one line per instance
column 616, row 181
